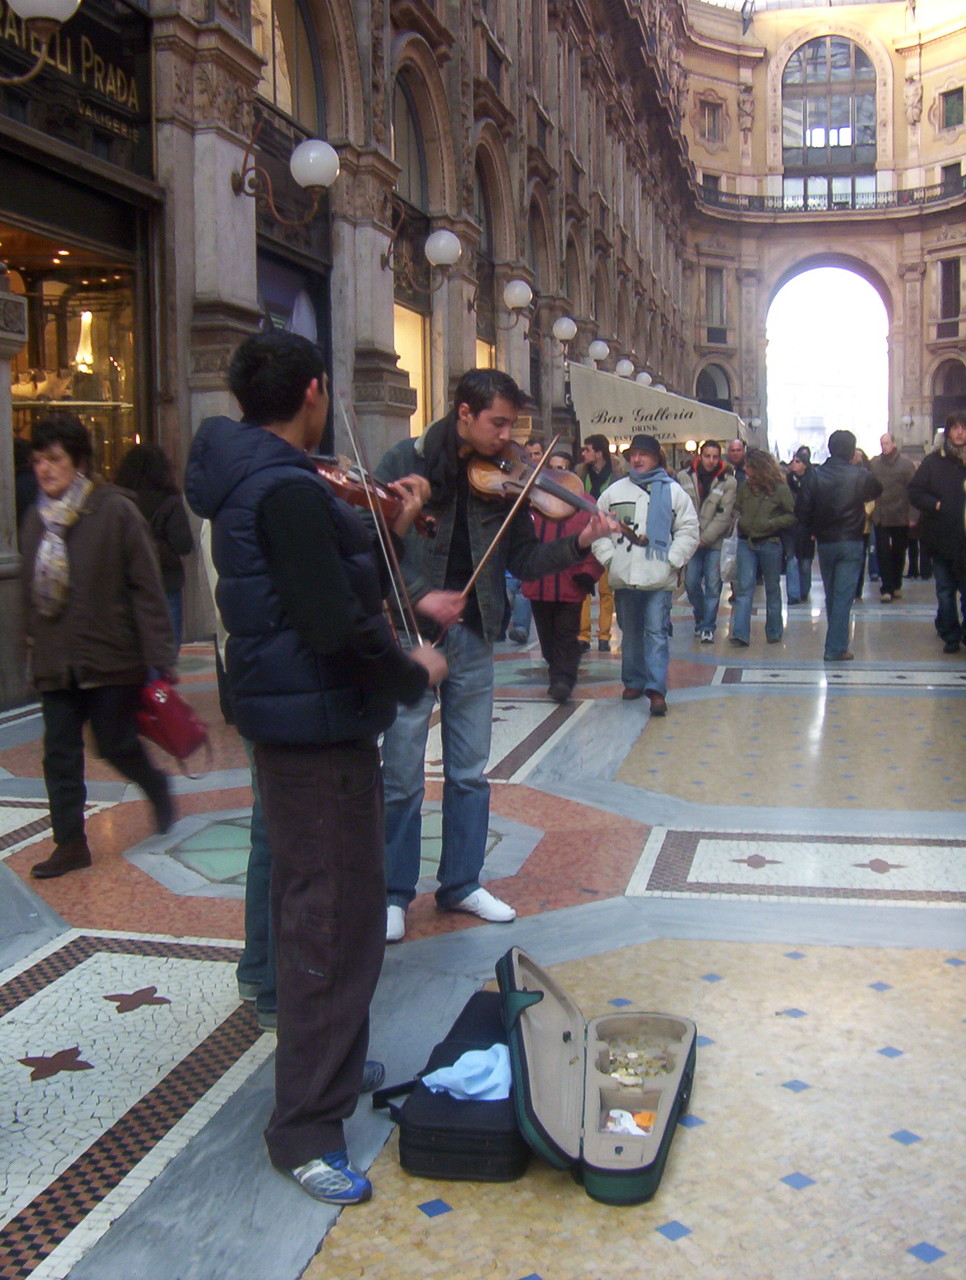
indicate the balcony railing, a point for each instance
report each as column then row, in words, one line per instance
column 914, row 198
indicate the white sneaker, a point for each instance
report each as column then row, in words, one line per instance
column 483, row 904
column 395, row 923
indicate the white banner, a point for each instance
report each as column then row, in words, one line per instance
column 619, row 408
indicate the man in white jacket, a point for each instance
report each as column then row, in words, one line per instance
column 643, row 577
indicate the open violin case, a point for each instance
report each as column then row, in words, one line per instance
column 571, row 1080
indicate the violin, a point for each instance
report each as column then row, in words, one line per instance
column 351, row 485
column 503, row 477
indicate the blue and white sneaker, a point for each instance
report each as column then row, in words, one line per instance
column 331, row 1180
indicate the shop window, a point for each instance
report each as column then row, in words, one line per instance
column 714, row 304
column 409, row 335
column 411, row 275
column 81, row 349
column 951, row 104
column 949, row 298
column 282, row 33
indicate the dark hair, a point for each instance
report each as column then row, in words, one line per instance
column 600, row 444
column 478, row 388
column 709, row 444
column 841, row 444
column 63, row 427
column 270, row 373
column 803, row 453
column 537, row 440
column 146, row 468
column 957, row 419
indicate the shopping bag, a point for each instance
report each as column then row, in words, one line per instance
column 165, row 719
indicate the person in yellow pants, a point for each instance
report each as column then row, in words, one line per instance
column 599, row 469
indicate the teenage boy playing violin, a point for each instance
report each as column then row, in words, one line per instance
column 437, row 570
column 314, row 675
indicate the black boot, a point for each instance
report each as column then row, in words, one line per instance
column 72, row 855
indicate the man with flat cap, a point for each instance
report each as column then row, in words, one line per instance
column 643, row 577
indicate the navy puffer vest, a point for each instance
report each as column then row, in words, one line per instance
column 282, row 692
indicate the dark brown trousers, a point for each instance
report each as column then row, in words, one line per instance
column 324, row 813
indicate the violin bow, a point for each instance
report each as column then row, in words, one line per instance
column 400, row 593
column 521, row 498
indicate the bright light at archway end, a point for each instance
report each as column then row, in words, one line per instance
column 828, row 364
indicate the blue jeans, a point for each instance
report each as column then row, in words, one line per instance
column 766, row 556
column 466, row 714
column 645, row 620
column 840, row 563
column 257, row 963
column 520, row 613
column 949, row 589
column 702, row 580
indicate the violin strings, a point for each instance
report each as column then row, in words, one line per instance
column 405, row 609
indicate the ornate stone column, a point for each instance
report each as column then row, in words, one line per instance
column 13, row 336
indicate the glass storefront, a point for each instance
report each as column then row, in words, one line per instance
column 81, row 346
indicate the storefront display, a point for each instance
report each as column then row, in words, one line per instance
column 80, row 351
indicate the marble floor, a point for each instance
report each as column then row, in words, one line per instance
column 781, row 859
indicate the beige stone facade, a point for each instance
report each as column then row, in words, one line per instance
column 904, row 231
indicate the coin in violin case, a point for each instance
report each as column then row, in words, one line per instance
column 600, row 1098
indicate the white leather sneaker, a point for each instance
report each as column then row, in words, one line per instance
column 395, row 923
column 483, row 904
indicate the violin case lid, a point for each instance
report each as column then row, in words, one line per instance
column 566, row 1090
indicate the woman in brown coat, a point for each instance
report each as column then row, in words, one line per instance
column 96, row 619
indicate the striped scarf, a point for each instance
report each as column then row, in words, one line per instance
column 51, row 580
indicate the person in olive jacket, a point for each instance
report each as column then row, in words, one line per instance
column 96, row 620
column 831, row 505
column 763, row 508
column 938, row 490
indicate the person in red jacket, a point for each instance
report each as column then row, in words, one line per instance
column 556, row 599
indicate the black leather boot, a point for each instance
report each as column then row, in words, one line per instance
column 72, row 855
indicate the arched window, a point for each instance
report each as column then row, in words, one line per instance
column 407, row 149
column 948, row 390
column 291, row 79
column 714, row 387
column 828, row 125
column 485, row 274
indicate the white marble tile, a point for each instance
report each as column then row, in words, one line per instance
column 829, row 865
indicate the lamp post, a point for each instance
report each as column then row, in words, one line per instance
column 42, row 20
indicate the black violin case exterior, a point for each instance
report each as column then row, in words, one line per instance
column 457, row 1139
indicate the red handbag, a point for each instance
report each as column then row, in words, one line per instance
column 165, row 719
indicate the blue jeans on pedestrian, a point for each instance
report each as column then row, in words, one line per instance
column 702, row 581
column 257, row 963
column 840, row 563
column 949, row 588
column 645, row 619
column 466, row 714
column 520, row 612
column 766, row 556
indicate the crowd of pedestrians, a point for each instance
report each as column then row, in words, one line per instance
column 315, row 676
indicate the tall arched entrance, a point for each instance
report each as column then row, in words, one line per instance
column 827, row 360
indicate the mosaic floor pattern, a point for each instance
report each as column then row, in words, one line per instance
column 113, row 1052
column 818, row 1143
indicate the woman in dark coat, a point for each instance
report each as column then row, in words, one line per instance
column 95, row 620
column 146, row 470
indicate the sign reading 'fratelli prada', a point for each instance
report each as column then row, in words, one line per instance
column 94, row 90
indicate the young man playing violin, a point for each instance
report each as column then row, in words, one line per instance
column 465, row 624
column 314, row 675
